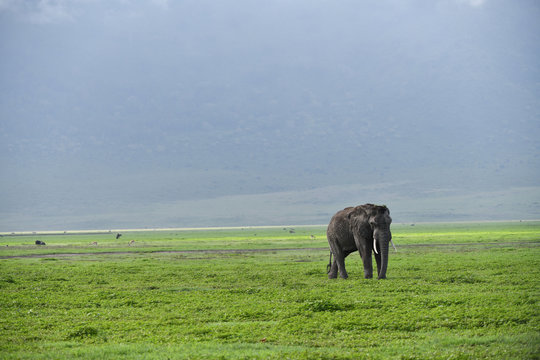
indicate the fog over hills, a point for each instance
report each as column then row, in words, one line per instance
column 201, row 113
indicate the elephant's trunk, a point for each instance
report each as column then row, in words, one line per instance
column 384, row 256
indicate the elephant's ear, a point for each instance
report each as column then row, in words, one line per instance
column 387, row 214
column 357, row 217
column 356, row 211
column 384, row 211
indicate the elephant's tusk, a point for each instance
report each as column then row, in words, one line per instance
column 375, row 246
column 393, row 245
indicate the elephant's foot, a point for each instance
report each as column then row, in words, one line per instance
column 344, row 276
column 332, row 275
column 382, row 277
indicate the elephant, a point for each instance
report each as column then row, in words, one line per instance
column 365, row 228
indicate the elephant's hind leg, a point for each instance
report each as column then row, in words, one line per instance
column 332, row 274
column 340, row 261
column 341, row 268
column 339, row 258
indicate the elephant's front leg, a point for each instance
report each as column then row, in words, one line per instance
column 368, row 265
column 365, row 254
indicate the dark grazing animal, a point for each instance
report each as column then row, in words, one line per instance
column 364, row 228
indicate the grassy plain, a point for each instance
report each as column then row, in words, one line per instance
column 453, row 291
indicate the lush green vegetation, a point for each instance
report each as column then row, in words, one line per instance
column 455, row 299
column 168, row 240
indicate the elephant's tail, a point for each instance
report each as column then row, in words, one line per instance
column 329, row 266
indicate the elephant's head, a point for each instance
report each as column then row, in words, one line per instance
column 379, row 221
column 373, row 224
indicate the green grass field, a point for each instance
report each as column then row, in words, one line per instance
column 454, row 291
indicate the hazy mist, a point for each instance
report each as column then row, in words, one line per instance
column 139, row 114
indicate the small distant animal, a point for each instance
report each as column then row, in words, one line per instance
column 312, row 236
column 131, row 242
column 118, row 235
column 94, row 243
column 291, row 231
column 39, row 242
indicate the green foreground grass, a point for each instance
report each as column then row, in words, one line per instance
column 474, row 294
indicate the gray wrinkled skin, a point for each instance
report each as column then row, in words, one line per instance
column 356, row 228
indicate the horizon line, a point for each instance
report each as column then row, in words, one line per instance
column 216, row 228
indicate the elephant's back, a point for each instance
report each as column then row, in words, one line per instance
column 339, row 227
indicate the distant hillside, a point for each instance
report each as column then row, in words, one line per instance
column 250, row 113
